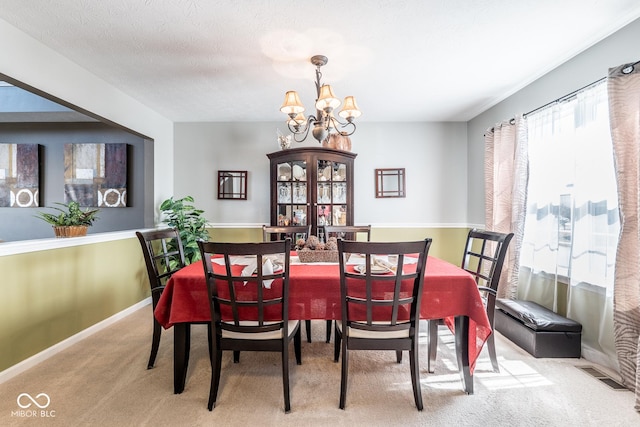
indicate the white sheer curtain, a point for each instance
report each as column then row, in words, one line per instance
column 572, row 221
column 506, row 172
column 624, row 101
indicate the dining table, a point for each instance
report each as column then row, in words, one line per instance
column 449, row 293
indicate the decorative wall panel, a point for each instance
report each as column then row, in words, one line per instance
column 96, row 174
column 19, row 175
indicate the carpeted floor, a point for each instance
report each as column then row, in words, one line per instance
column 103, row 381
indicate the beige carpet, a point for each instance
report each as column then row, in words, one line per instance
column 103, row 381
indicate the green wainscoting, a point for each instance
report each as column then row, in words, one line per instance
column 448, row 243
column 51, row 295
column 48, row 296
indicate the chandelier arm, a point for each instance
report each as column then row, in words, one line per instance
column 299, row 132
column 353, row 129
column 304, row 131
column 333, row 120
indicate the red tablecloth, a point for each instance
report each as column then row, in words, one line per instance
column 315, row 294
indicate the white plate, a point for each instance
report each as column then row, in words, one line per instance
column 375, row 269
column 298, row 172
column 327, row 172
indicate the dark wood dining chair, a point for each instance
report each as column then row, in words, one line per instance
column 345, row 232
column 163, row 256
column 348, row 232
column 484, row 256
column 380, row 304
column 250, row 312
column 280, row 232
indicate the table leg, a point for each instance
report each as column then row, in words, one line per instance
column 462, row 352
column 433, row 344
column 181, row 346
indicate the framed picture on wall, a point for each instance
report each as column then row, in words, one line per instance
column 19, row 175
column 390, row 183
column 232, row 185
column 96, row 174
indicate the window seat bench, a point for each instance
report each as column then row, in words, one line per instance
column 538, row 330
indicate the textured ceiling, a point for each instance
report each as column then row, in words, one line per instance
column 233, row 60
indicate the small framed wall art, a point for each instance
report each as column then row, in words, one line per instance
column 390, row 183
column 232, row 185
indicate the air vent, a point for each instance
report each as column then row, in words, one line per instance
column 602, row 377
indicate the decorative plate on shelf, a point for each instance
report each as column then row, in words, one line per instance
column 298, row 173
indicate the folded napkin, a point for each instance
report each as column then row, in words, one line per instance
column 382, row 262
column 267, row 269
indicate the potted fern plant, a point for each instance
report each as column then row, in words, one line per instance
column 182, row 215
column 69, row 220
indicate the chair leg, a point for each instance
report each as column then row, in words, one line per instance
column 187, row 348
column 216, row 364
column 285, row 374
column 415, row 376
column 236, row 356
column 297, row 345
column 399, row 356
column 343, row 377
column 209, row 335
column 307, row 325
column 432, row 346
column 337, row 342
column 155, row 343
column 329, row 326
column 491, row 345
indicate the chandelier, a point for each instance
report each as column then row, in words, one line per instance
column 324, row 122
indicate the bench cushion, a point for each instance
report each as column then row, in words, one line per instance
column 537, row 317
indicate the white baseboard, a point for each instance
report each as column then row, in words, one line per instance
column 20, row 367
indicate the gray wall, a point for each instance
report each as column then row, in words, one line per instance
column 591, row 65
column 433, row 154
column 21, row 224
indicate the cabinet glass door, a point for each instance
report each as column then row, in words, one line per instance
column 292, row 194
column 331, row 194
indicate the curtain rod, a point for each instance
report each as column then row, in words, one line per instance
column 512, row 121
column 626, row 70
column 565, row 97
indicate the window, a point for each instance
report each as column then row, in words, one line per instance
column 572, row 223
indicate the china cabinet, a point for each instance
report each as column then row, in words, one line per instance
column 312, row 185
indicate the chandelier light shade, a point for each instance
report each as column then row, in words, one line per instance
column 324, row 123
column 292, row 105
column 327, row 101
column 350, row 109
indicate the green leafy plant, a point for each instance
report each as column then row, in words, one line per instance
column 182, row 215
column 69, row 214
